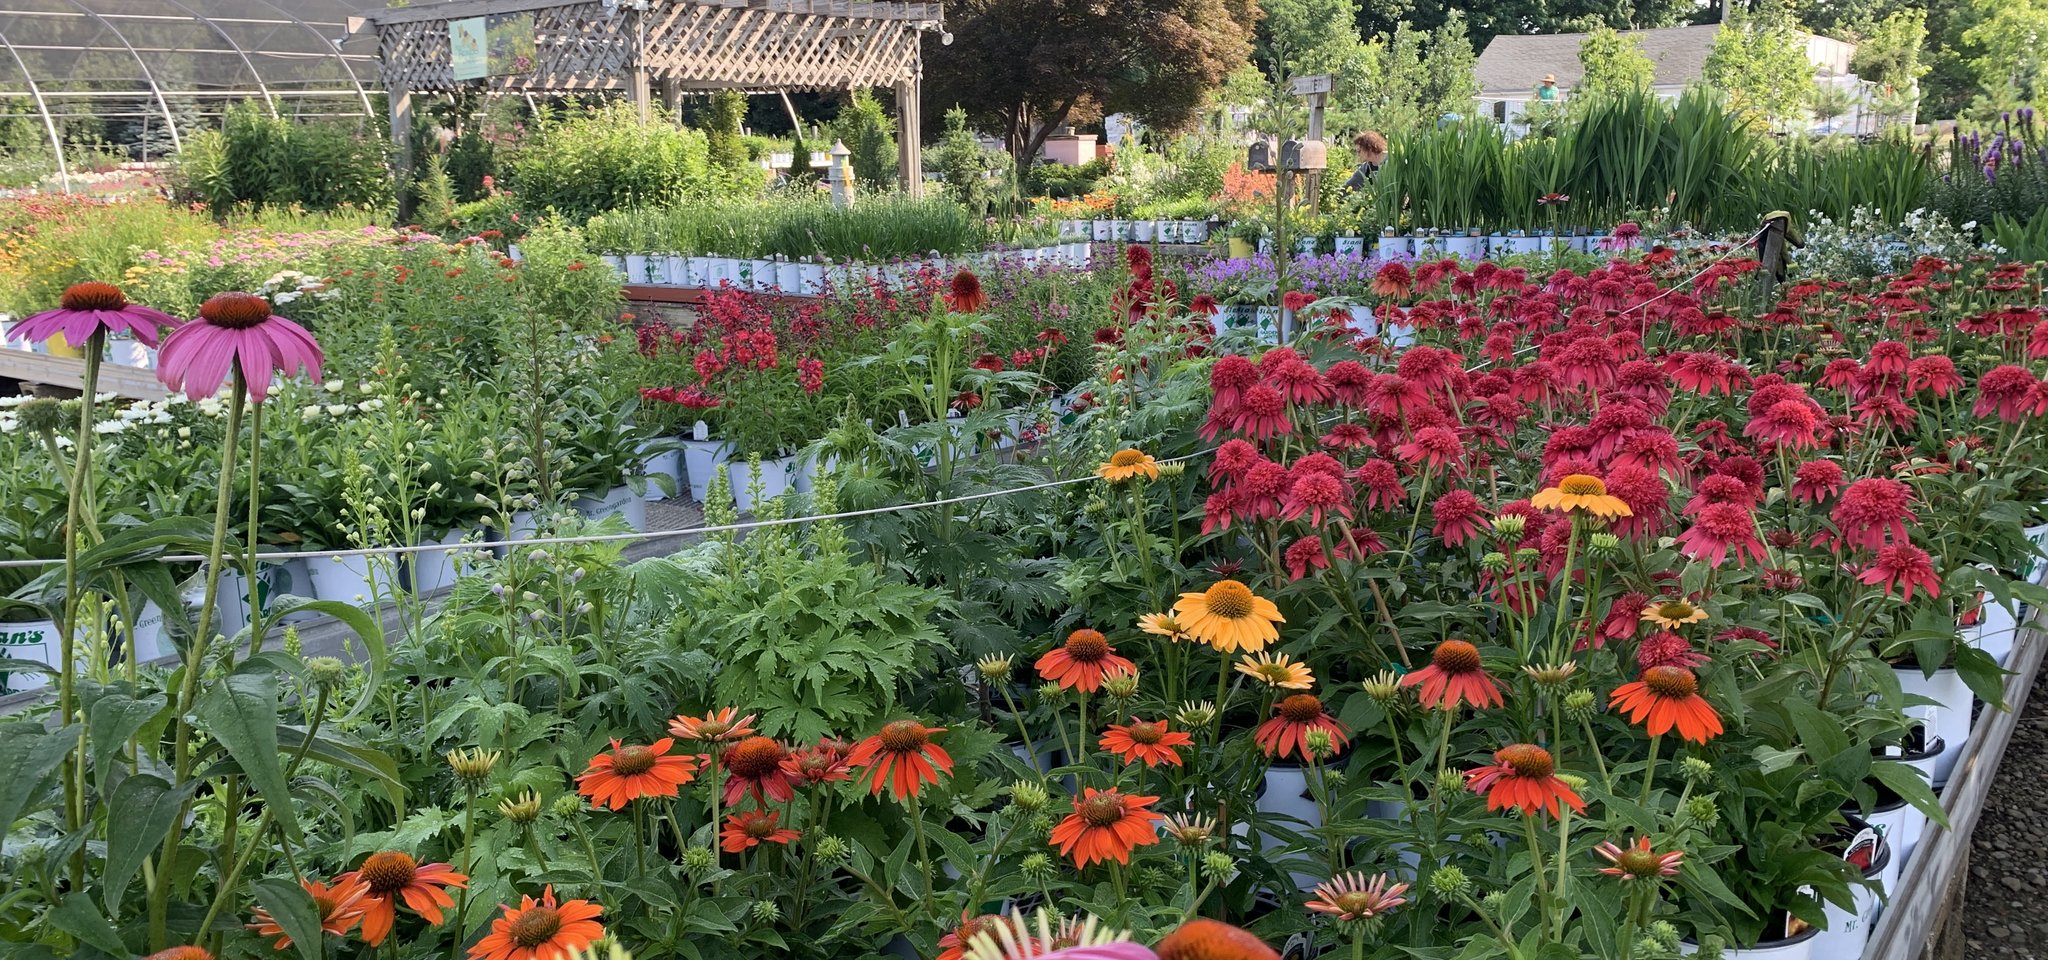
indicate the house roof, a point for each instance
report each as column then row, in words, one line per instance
column 1515, row 65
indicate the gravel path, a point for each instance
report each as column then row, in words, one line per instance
column 2006, row 899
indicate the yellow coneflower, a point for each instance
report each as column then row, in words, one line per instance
column 1229, row 617
column 1673, row 613
column 1277, row 670
column 1581, row 493
column 1163, row 625
column 1128, row 463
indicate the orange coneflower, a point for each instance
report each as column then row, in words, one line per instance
column 1163, row 625
column 745, row 831
column 718, row 726
column 340, row 908
column 541, row 930
column 1125, row 464
column 1229, row 617
column 1082, row 662
column 756, row 767
column 1672, row 613
column 965, row 294
column 1149, row 740
column 181, row 953
column 1352, row 896
column 1523, row 776
column 1205, row 939
column 392, row 876
column 627, row 773
column 1106, row 825
column 1293, row 718
column 1581, row 492
column 1277, row 670
column 953, row 946
column 1637, row 861
column 1667, row 697
column 1455, row 675
column 823, row 762
column 903, row 757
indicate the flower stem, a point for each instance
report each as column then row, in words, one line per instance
column 1650, row 769
column 468, row 834
column 1536, row 867
column 67, row 631
column 924, row 859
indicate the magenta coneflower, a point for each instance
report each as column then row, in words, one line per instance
column 1458, row 517
column 1901, row 567
column 1874, row 511
column 1816, row 480
column 1719, row 529
column 235, row 331
column 92, row 307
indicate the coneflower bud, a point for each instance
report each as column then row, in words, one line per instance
column 1037, row 866
column 831, row 849
column 1572, row 780
column 1220, row 866
column 1096, row 506
column 1602, row 545
column 1578, row 705
column 1195, row 715
column 765, row 911
column 1449, row 782
column 1449, row 883
column 522, row 810
column 41, row 416
column 568, row 805
column 1029, row 797
column 1494, row 562
column 1122, row 686
column 697, row 859
column 1318, row 742
column 472, row 767
column 1551, row 675
column 327, row 673
column 1333, row 778
column 602, row 950
column 1174, row 469
column 1664, row 934
column 1527, row 556
column 1383, row 687
column 1051, row 693
column 1695, row 771
column 1510, row 526
column 1493, row 902
column 1699, row 812
column 994, row 669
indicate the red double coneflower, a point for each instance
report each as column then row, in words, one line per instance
column 1872, row 512
column 1901, row 567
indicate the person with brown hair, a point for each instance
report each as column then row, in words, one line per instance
column 1370, row 149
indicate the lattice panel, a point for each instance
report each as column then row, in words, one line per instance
column 699, row 44
column 578, row 46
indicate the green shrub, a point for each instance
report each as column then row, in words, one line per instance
column 866, row 131
column 608, row 160
column 261, row 160
column 1060, row 181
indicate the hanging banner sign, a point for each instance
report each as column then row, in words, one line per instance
column 468, row 48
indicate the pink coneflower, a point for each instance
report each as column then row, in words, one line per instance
column 1890, row 357
column 1874, row 511
column 1719, row 488
column 235, row 331
column 92, row 307
column 1436, row 448
column 2003, row 390
column 1936, row 373
column 1382, row 482
column 1305, row 556
column 1719, row 529
column 1314, row 492
column 1262, row 414
column 1458, row 517
column 1229, row 378
column 1667, row 649
column 1816, row 480
column 1347, row 436
column 1794, row 422
column 1352, row 896
column 1902, row 566
column 1350, row 382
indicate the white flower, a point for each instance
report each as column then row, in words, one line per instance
column 110, row 426
column 337, row 409
column 311, row 412
column 184, row 433
column 333, row 386
column 374, row 403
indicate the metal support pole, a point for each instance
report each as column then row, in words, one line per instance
column 49, row 126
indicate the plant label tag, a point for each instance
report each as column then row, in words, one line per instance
column 1862, row 849
column 700, row 431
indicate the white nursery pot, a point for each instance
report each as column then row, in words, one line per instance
column 431, row 570
column 774, row 480
column 2035, row 568
column 811, row 279
column 619, row 501
column 657, row 268
column 789, row 277
column 762, row 274
column 1351, row 246
column 1466, row 247
column 343, row 579
column 1793, row 948
column 1947, row 718
column 721, row 272
column 1144, row 231
column 1194, row 231
column 677, row 268
column 668, row 463
column 1101, row 231
column 1995, row 631
column 1392, row 247
column 701, row 461
column 1286, row 794
column 1847, row 930
column 616, row 262
column 636, row 268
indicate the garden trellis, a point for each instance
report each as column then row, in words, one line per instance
column 674, row 46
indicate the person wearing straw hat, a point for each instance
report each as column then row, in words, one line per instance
column 1548, row 90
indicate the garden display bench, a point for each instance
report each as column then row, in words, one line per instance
column 1922, row 919
column 68, row 373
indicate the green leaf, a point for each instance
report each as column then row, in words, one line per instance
column 350, row 755
column 366, row 627
column 1984, row 676
column 1911, row 786
column 241, row 713
column 144, row 806
column 77, row 916
column 113, row 718
column 29, row 752
column 293, row 909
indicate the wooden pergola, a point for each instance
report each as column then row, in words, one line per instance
column 674, row 46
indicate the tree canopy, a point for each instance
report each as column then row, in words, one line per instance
column 1024, row 67
column 1613, row 63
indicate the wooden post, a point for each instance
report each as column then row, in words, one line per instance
column 400, row 96
column 1772, row 252
column 1282, row 200
column 1312, row 189
column 910, row 125
column 639, row 88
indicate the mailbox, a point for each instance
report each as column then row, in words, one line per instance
column 1259, row 156
column 1304, row 155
